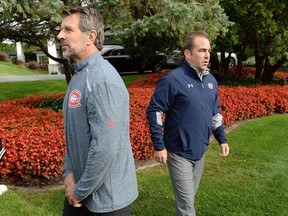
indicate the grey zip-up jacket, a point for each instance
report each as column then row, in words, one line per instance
column 98, row 149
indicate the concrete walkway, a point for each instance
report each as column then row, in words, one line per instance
column 31, row 78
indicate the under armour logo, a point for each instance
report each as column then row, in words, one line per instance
column 190, row 85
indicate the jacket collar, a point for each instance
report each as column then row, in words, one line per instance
column 79, row 66
column 193, row 71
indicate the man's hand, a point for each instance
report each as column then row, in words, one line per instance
column 69, row 184
column 224, row 149
column 161, row 156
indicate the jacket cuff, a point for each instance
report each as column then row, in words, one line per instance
column 66, row 172
column 220, row 134
column 159, row 147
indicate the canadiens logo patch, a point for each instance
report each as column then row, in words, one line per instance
column 210, row 85
column 74, row 99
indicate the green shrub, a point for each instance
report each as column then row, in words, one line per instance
column 234, row 80
column 4, row 57
column 54, row 104
column 33, row 65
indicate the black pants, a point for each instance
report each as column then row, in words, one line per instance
column 69, row 210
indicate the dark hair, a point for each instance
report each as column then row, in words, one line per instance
column 90, row 19
column 190, row 38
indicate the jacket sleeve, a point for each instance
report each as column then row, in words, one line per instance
column 106, row 108
column 160, row 102
column 217, row 127
column 67, row 166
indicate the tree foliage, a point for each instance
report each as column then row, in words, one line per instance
column 32, row 22
column 145, row 27
column 149, row 27
column 262, row 26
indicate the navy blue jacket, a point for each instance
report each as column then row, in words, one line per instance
column 190, row 105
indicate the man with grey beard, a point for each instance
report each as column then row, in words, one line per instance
column 99, row 169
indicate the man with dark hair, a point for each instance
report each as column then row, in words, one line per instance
column 99, row 169
column 188, row 96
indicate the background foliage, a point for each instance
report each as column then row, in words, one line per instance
column 261, row 31
column 145, row 28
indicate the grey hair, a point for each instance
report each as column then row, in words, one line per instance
column 190, row 38
column 90, row 19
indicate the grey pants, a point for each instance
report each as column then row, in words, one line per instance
column 185, row 177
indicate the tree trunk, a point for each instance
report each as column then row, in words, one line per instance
column 215, row 67
column 269, row 71
column 68, row 70
column 225, row 65
column 259, row 60
column 259, row 67
column 66, row 64
column 239, row 69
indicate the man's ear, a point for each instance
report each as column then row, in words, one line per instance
column 187, row 54
column 92, row 37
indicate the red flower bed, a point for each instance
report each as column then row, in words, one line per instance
column 250, row 72
column 34, row 138
column 250, row 102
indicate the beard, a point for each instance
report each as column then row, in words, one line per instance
column 74, row 49
column 72, row 52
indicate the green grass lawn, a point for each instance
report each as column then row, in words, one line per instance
column 11, row 90
column 9, row 69
column 252, row 180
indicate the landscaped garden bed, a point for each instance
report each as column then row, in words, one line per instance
column 34, row 137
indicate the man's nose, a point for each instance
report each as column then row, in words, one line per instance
column 60, row 35
column 207, row 55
